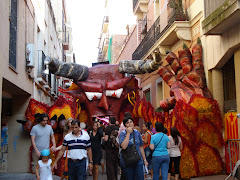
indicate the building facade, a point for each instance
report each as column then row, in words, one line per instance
column 165, row 25
column 30, row 31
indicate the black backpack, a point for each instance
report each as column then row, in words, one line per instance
column 113, row 138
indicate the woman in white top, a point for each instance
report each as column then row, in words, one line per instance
column 175, row 152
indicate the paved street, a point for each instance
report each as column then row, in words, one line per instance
column 29, row 176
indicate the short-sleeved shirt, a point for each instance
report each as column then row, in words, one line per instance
column 108, row 132
column 175, row 151
column 42, row 136
column 96, row 140
column 161, row 149
column 77, row 145
column 138, row 141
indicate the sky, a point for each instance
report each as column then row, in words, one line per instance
column 86, row 19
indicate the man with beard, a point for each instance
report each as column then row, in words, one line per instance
column 40, row 137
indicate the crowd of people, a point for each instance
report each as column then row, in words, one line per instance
column 153, row 152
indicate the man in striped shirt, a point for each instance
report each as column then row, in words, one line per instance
column 79, row 147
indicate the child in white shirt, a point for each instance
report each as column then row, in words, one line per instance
column 43, row 168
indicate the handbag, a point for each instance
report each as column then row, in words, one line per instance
column 130, row 154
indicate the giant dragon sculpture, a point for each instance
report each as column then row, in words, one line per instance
column 104, row 90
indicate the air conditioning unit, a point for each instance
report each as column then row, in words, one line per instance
column 30, row 55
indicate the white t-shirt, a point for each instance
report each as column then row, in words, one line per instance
column 45, row 170
column 175, row 150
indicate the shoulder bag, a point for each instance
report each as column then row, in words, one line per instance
column 157, row 145
column 130, row 154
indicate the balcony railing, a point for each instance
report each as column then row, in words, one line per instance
column 175, row 13
column 65, row 40
column 44, row 79
column 100, row 56
column 134, row 3
column 41, row 66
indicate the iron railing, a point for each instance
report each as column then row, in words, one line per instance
column 151, row 37
column 175, row 13
column 233, row 148
column 65, row 36
column 106, row 19
column 41, row 66
column 134, row 4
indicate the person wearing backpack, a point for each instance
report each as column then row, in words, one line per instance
column 146, row 142
column 112, row 148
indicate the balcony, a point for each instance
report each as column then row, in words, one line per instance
column 221, row 16
column 178, row 27
column 140, row 6
column 41, row 77
column 105, row 24
column 100, row 56
column 105, row 45
column 65, row 40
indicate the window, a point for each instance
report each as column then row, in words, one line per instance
column 147, row 94
column 229, row 85
column 159, row 91
column 13, row 35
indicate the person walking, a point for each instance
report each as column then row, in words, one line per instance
column 43, row 168
column 96, row 136
column 128, row 138
column 79, row 147
column 146, row 142
column 67, row 129
column 175, row 152
column 103, row 160
column 111, row 148
column 160, row 157
column 40, row 138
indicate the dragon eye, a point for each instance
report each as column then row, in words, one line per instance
column 114, row 93
column 93, row 95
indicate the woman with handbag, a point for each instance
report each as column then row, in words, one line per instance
column 132, row 151
column 160, row 157
column 175, row 153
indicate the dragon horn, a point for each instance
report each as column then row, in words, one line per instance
column 140, row 66
column 73, row 71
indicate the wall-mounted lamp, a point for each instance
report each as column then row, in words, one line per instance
column 238, row 115
column 46, row 72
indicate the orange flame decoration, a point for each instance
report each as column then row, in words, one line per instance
column 35, row 107
column 67, row 107
column 145, row 110
column 200, row 125
column 64, row 106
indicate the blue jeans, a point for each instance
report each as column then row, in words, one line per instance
column 148, row 155
column 77, row 169
column 135, row 172
column 160, row 162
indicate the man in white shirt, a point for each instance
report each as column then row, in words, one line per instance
column 79, row 147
